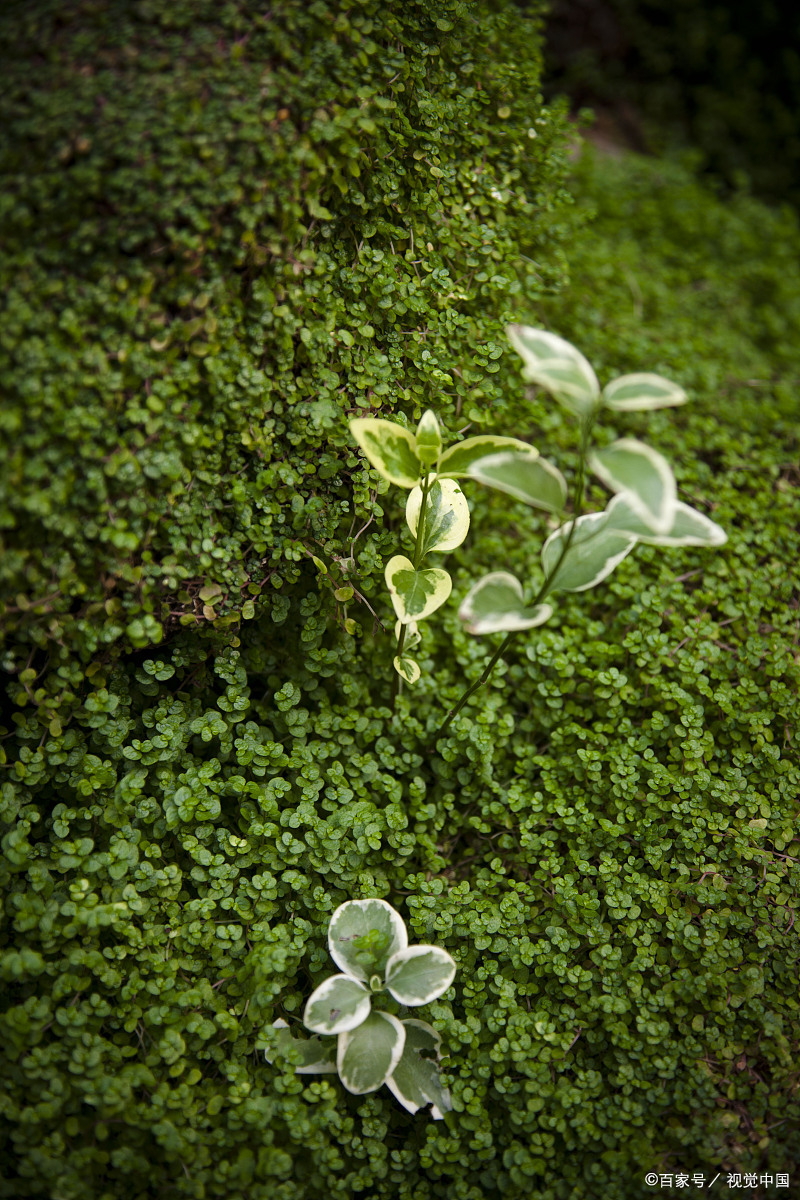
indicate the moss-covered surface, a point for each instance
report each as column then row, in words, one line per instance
column 606, row 839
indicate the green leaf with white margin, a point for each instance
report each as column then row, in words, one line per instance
column 415, row 1080
column 419, row 974
column 390, row 448
column 428, row 438
column 413, row 635
column 367, row 1056
column 458, row 461
column 495, row 604
column 338, row 1004
column 689, row 527
column 406, row 668
column 446, row 516
column 315, row 1056
column 534, row 481
column 415, row 594
column 363, row 935
column 642, row 391
column 593, row 553
column 643, row 475
column 557, row 366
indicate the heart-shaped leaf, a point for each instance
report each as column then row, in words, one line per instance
column 643, row 475
column 415, row 594
column 390, row 448
column 418, row 974
column 415, row 1080
column 338, row 1004
column 446, row 516
column 406, row 668
column 557, row 366
column 367, row 1056
column 495, row 604
column 429, row 438
column 689, row 527
column 642, row 391
column 594, row 551
column 363, row 935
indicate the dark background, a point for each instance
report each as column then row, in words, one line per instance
column 722, row 78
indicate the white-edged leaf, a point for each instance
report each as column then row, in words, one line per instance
column 406, row 668
column 419, row 974
column 446, row 521
column 554, row 363
column 593, row 553
column 535, row 481
column 390, row 448
column 689, row 527
column 367, row 1056
column 413, row 635
column 642, row 391
column 363, row 935
column 495, row 604
column 415, row 594
column 415, row 1080
column 457, row 462
column 313, row 1056
column 338, row 1004
column 644, row 475
column 428, row 438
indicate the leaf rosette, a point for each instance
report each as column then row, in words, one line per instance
column 368, row 941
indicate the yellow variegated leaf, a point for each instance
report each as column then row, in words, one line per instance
column 429, row 438
column 390, row 448
column 415, row 594
column 446, row 521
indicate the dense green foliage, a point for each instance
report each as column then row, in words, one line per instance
column 224, row 232
column 722, row 77
column 605, row 840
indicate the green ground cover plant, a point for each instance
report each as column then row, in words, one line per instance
column 604, row 840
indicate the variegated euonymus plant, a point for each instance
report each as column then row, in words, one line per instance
column 437, row 513
column 584, row 549
column 368, row 942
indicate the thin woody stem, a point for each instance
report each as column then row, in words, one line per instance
column 546, row 585
column 426, row 487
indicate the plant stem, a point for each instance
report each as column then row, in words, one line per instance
column 547, row 584
column 401, row 641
